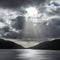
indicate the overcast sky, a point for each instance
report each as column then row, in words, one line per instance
column 13, row 23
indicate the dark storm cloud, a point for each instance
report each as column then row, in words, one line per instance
column 53, row 8
column 6, row 29
column 1, row 20
column 11, row 24
column 13, row 35
column 54, row 26
column 18, row 23
column 15, row 29
column 50, row 28
column 17, row 3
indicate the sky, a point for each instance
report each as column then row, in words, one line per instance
column 29, row 19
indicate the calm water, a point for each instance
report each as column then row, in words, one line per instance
column 29, row 54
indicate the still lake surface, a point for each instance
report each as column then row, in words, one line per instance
column 29, row 54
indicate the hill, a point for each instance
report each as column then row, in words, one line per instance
column 9, row 45
column 48, row 45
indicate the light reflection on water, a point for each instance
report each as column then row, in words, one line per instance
column 29, row 54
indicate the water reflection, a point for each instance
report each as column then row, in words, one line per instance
column 29, row 54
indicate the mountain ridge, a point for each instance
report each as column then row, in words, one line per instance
column 48, row 45
column 5, row 44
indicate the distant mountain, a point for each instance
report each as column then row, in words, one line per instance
column 48, row 45
column 9, row 45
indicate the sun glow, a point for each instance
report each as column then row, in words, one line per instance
column 31, row 20
column 31, row 12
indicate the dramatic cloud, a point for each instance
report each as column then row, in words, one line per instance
column 49, row 27
column 13, row 35
column 54, row 26
column 18, row 22
column 19, row 3
column 13, row 23
column 52, row 20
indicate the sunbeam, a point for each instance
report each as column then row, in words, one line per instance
column 31, row 28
